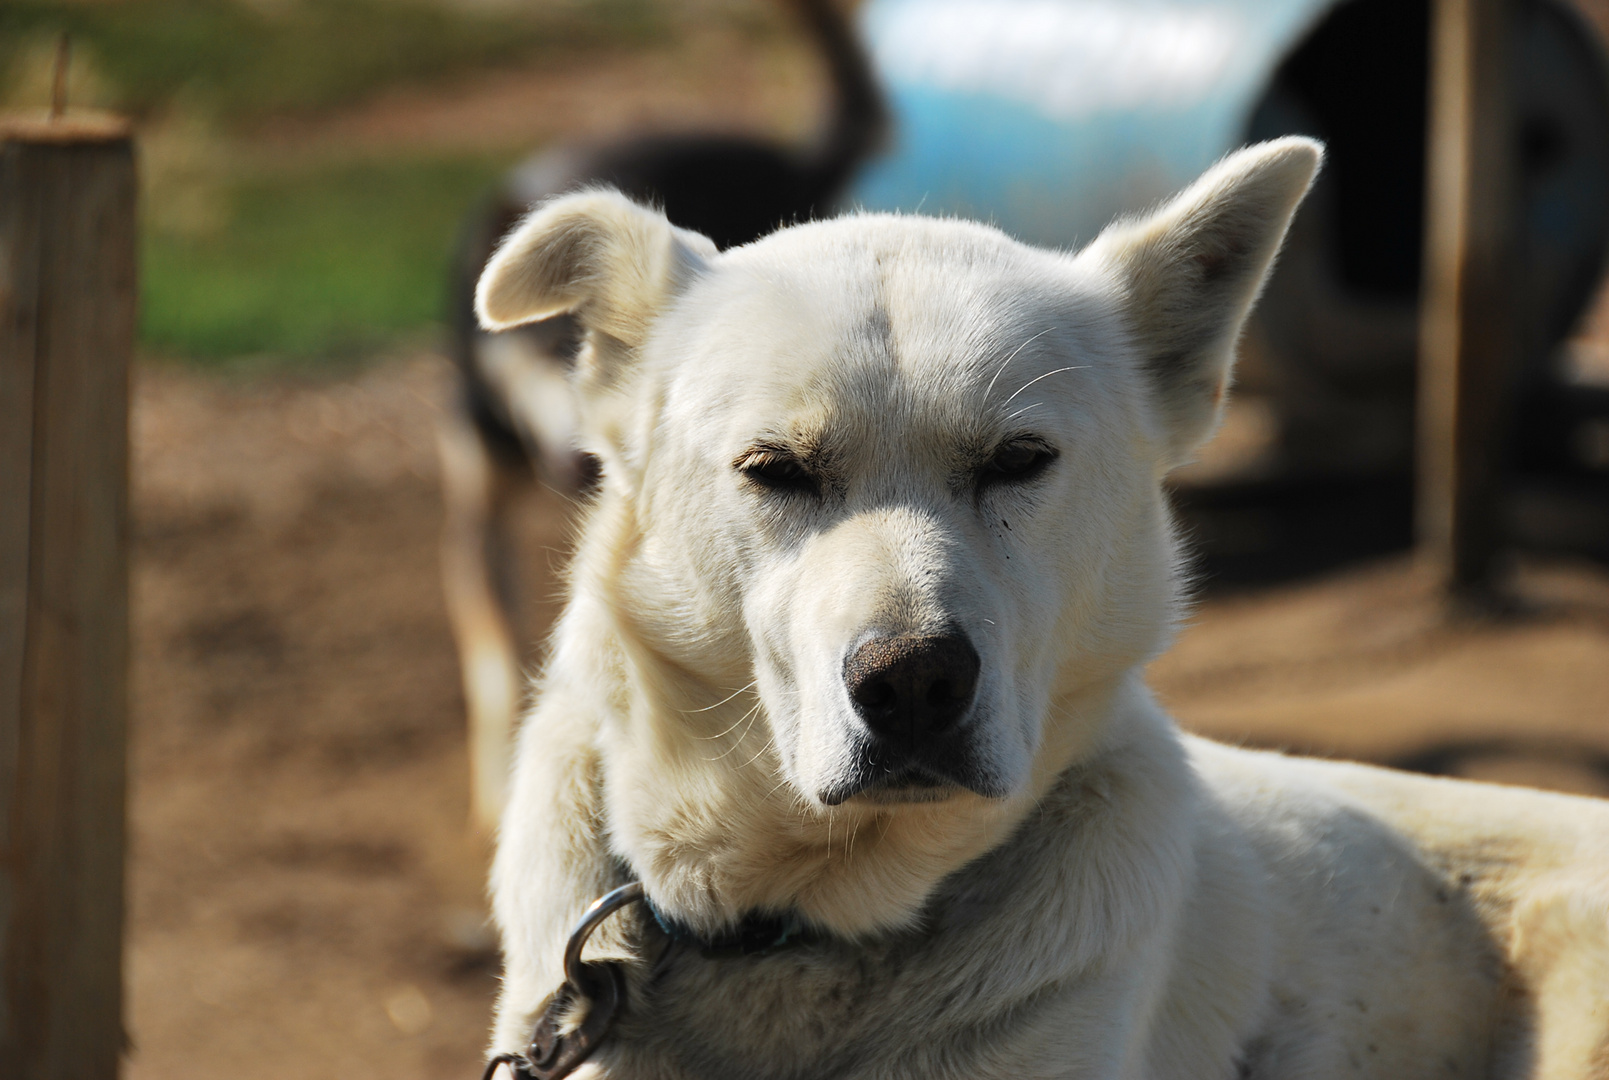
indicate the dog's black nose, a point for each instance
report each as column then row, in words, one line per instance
column 910, row 686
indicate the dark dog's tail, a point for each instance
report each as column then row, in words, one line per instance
column 858, row 120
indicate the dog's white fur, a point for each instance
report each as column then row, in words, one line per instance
column 1097, row 895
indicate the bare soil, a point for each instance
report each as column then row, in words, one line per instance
column 305, row 891
column 1366, row 664
column 305, row 896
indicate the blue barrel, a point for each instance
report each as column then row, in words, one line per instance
column 1051, row 117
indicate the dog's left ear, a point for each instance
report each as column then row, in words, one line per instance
column 1189, row 274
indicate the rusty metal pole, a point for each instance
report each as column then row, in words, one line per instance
column 67, row 295
column 1468, row 324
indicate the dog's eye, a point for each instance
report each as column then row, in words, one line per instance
column 1017, row 461
column 778, row 471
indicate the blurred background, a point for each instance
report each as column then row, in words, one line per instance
column 306, row 163
column 305, row 887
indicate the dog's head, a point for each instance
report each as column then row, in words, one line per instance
column 899, row 476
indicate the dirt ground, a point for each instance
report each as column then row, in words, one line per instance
column 305, row 893
column 304, row 897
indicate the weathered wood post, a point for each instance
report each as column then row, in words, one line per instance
column 1468, row 332
column 67, row 301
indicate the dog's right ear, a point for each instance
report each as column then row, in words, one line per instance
column 615, row 264
column 1189, row 273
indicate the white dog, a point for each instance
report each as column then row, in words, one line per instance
column 853, row 660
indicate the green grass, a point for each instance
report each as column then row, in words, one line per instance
column 240, row 61
column 303, row 263
column 312, row 265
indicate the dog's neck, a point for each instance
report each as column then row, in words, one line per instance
column 718, row 835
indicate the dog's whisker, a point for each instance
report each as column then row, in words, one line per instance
column 750, row 716
column 1046, row 375
column 768, row 744
column 723, row 701
column 739, row 740
column 728, row 731
column 735, row 743
column 1001, row 369
column 1023, row 410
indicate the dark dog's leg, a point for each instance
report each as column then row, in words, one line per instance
column 479, row 488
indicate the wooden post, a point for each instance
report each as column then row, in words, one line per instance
column 1468, row 326
column 67, row 301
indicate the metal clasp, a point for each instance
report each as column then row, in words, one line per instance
column 598, row 986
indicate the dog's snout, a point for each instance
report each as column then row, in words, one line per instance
column 908, row 686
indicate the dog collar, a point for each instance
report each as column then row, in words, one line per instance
column 756, row 933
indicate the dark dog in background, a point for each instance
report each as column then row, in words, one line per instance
column 513, row 421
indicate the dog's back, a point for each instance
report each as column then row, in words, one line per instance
column 1476, row 915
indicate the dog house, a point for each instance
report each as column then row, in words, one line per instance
column 1051, row 117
